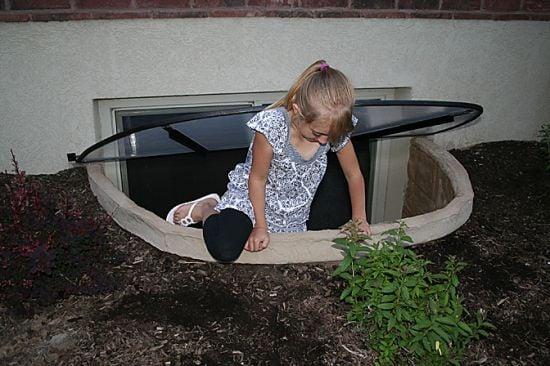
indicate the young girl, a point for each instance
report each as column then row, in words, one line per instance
column 273, row 189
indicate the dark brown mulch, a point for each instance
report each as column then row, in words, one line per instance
column 506, row 243
column 172, row 310
column 77, row 260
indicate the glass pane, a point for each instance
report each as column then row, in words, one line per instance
column 151, row 142
column 381, row 118
column 452, row 121
column 226, row 132
column 219, row 133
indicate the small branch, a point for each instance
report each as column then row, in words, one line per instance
column 353, row 352
column 65, row 277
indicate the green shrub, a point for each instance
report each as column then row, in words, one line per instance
column 408, row 313
column 544, row 134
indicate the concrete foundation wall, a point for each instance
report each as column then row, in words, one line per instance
column 52, row 72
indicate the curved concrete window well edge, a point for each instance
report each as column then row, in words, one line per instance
column 429, row 166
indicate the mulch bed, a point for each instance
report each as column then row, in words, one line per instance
column 177, row 311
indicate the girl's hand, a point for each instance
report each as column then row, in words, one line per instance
column 258, row 240
column 364, row 225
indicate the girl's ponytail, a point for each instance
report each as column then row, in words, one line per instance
column 322, row 92
column 286, row 101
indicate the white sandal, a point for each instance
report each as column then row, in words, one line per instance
column 188, row 220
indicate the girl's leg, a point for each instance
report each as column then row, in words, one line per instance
column 226, row 233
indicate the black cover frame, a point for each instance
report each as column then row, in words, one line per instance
column 381, row 132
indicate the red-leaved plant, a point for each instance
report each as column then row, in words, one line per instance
column 47, row 246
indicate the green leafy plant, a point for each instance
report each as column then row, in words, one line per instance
column 407, row 312
column 544, row 135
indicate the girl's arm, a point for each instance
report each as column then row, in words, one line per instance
column 262, row 153
column 356, row 184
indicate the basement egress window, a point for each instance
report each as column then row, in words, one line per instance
column 163, row 151
column 157, row 183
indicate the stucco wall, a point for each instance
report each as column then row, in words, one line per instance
column 51, row 72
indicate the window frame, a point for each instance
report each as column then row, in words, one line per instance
column 109, row 114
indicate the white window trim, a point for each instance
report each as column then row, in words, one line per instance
column 386, row 185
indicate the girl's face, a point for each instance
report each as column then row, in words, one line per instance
column 316, row 131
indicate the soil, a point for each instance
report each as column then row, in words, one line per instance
column 178, row 311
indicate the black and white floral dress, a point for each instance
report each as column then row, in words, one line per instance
column 292, row 181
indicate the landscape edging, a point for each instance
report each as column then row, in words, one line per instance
column 310, row 246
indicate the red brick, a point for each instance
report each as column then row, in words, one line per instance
column 39, row 4
column 288, row 13
column 337, row 13
column 232, row 13
column 162, row 3
column 460, row 5
column 14, row 17
column 384, row 14
column 102, row 4
column 121, row 15
column 536, row 5
column 432, row 15
column 324, row 3
column 81, row 15
column 472, row 16
column 502, row 5
column 511, row 16
column 272, row 8
column 217, row 3
column 418, row 4
column 351, row 13
column 539, row 17
column 56, row 17
column 47, row 17
column 373, row 4
column 274, row 3
column 183, row 13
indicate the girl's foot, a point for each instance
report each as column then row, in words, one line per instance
column 198, row 211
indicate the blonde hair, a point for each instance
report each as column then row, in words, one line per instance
column 322, row 92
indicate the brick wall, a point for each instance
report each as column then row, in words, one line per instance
column 428, row 188
column 59, row 10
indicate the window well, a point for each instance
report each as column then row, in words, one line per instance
column 166, row 155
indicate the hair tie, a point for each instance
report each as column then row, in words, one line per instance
column 324, row 66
